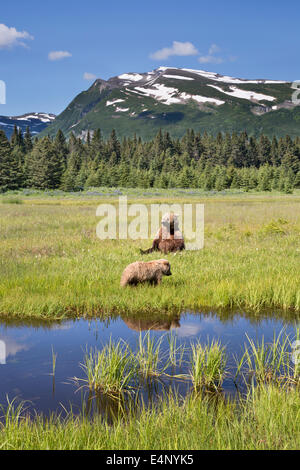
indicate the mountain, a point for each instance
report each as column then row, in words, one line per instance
column 176, row 99
column 36, row 122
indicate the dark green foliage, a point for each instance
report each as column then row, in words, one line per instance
column 195, row 161
column 27, row 141
column 10, row 171
column 44, row 165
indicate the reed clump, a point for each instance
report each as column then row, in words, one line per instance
column 148, row 356
column 208, row 365
column 111, row 370
column 272, row 362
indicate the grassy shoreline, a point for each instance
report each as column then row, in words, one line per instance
column 53, row 266
column 265, row 415
column 268, row 419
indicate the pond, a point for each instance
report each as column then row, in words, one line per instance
column 27, row 371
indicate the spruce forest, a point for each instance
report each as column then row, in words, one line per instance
column 195, row 161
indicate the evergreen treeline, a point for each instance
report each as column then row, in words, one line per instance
column 194, row 161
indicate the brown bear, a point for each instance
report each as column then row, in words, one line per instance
column 140, row 272
column 163, row 324
column 169, row 238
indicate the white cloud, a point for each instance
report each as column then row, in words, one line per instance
column 210, row 58
column 10, row 37
column 58, row 55
column 178, row 48
column 213, row 49
column 89, row 76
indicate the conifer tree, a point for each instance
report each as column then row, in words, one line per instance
column 27, row 141
column 8, row 166
column 14, row 140
column 60, row 148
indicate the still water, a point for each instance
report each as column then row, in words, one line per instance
column 26, row 373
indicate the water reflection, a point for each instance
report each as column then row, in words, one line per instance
column 28, row 375
column 158, row 324
column 13, row 347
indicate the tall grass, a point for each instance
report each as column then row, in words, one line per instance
column 148, row 355
column 110, row 370
column 295, row 355
column 269, row 363
column 176, row 353
column 208, row 365
column 153, row 360
column 267, row 419
column 11, row 200
column 13, row 412
column 54, row 358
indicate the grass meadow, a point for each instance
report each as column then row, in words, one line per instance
column 52, row 265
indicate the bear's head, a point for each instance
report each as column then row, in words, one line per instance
column 165, row 267
column 171, row 222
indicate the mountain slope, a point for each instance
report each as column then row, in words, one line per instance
column 36, row 122
column 176, row 99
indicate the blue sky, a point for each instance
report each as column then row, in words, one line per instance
column 257, row 39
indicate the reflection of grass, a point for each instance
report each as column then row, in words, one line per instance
column 268, row 418
column 52, row 264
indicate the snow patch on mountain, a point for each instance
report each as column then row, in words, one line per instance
column 109, row 103
column 121, row 110
column 135, row 77
column 201, row 99
column 169, row 95
column 36, row 122
column 228, row 79
column 161, row 93
column 43, row 117
column 179, row 77
column 244, row 94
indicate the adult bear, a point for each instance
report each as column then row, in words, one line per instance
column 169, row 238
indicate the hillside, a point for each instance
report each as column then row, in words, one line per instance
column 177, row 99
column 35, row 121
